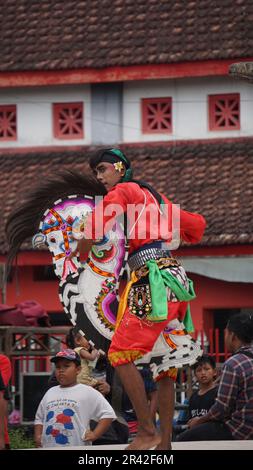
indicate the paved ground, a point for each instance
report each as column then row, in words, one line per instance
column 199, row 445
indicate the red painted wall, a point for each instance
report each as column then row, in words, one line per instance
column 25, row 288
column 213, row 294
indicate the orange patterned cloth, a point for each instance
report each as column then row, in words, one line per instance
column 135, row 337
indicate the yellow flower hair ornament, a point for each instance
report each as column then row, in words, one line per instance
column 118, row 166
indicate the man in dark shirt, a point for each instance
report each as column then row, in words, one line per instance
column 231, row 417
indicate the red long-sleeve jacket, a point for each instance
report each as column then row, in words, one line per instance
column 147, row 221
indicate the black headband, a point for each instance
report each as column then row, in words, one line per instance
column 109, row 156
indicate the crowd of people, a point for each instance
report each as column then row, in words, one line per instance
column 72, row 413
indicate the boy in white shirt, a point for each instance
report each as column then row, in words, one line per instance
column 64, row 413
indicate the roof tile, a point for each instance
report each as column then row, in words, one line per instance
column 53, row 34
column 213, row 178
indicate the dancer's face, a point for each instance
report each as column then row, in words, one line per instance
column 107, row 175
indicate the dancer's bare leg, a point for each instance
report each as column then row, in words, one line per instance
column 132, row 382
column 166, row 403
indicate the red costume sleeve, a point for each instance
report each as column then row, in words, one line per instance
column 116, row 202
column 192, row 226
column 104, row 216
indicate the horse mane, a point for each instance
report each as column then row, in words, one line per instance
column 23, row 222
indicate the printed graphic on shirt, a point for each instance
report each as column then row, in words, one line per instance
column 201, row 412
column 60, row 422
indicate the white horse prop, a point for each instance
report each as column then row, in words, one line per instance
column 88, row 291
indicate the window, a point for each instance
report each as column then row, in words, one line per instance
column 8, row 122
column 224, row 112
column 156, row 115
column 68, row 120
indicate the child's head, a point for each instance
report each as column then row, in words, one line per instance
column 81, row 341
column 239, row 331
column 67, row 367
column 205, row 370
column 75, row 339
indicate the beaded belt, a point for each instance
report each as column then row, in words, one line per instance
column 139, row 259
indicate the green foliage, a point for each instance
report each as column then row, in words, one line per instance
column 20, row 438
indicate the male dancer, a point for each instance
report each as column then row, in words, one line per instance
column 154, row 297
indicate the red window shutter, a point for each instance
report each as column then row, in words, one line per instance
column 224, row 112
column 8, row 122
column 156, row 115
column 68, row 120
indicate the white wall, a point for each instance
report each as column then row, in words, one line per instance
column 35, row 115
column 189, row 110
column 189, row 107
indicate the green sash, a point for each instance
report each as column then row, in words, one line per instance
column 159, row 279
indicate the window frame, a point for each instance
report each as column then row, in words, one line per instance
column 212, row 113
column 145, row 102
column 9, row 108
column 57, row 108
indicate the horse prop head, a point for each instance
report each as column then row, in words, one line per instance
column 87, row 290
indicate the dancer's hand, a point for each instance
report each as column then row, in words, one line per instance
column 83, row 246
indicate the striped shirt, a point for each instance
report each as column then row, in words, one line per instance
column 234, row 402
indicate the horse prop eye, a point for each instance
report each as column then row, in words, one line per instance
column 52, row 240
column 39, row 240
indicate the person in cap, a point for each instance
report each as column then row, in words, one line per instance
column 64, row 413
column 154, row 297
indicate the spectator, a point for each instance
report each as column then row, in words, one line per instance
column 64, row 414
column 5, row 375
column 231, row 417
column 118, row 432
column 111, row 388
column 152, row 397
column 87, row 354
column 202, row 399
column 150, row 389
